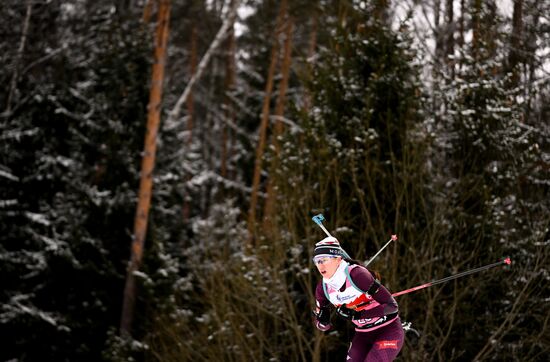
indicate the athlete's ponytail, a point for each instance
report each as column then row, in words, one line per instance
column 374, row 273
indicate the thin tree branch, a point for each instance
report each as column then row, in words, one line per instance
column 222, row 33
column 20, row 50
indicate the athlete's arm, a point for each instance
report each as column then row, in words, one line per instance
column 322, row 310
column 364, row 280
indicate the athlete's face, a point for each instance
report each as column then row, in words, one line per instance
column 327, row 266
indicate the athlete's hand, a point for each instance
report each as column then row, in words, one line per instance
column 322, row 315
column 346, row 313
column 322, row 319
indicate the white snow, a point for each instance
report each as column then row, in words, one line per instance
column 37, row 218
column 8, row 175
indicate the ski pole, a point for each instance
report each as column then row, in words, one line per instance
column 506, row 261
column 319, row 221
column 393, row 238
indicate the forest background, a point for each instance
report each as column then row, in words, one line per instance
column 161, row 161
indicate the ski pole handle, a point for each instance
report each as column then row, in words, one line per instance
column 393, row 238
column 318, row 219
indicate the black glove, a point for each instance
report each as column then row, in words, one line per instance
column 323, row 319
column 324, row 316
column 347, row 313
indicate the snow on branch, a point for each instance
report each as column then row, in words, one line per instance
column 8, row 175
column 15, row 308
column 222, row 33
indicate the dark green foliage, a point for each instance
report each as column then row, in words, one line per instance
column 356, row 136
column 355, row 160
column 72, row 149
column 463, row 184
column 489, row 163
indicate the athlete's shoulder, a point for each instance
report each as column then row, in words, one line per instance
column 359, row 273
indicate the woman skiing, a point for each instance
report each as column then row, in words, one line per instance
column 358, row 296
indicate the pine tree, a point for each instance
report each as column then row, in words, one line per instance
column 489, row 154
column 360, row 157
column 70, row 172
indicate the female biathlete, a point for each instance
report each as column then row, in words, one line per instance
column 358, row 296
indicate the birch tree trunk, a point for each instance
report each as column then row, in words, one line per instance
column 222, row 33
column 147, row 166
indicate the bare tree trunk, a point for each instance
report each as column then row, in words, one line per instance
column 147, row 166
column 530, row 48
column 514, row 56
column 476, row 36
column 438, row 32
column 22, row 43
column 190, row 103
column 285, row 72
column 209, row 128
column 147, row 11
column 489, row 31
column 438, row 55
column 310, row 55
column 263, row 125
column 279, row 112
column 450, row 43
column 461, row 30
column 381, row 10
column 228, row 108
column 343, row 8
